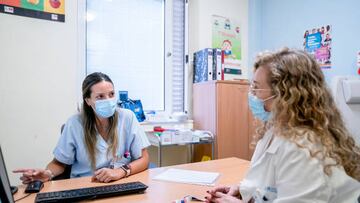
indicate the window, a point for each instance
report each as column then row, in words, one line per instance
column 140, row 44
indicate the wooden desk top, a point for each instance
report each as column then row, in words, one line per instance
column 232, row 171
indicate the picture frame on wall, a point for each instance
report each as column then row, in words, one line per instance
column 53, row 10
column 317, row 42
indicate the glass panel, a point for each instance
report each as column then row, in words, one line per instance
column 125, row 39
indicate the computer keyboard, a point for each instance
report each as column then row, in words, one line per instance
column 91, row 192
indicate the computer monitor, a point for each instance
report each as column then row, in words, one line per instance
column 5, row 191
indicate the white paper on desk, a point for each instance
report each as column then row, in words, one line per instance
column 188, row 176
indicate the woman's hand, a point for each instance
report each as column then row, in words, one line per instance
column 220, row 197
column 233, row 190
column 106, row 175
column 29, row 175
column 230, row 191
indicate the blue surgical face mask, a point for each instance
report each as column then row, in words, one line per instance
column 257, row 107
column 105, row 108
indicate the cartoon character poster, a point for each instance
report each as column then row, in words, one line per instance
column 317, row 42
column 44, row 9
column 358, row 62
column 226, row 36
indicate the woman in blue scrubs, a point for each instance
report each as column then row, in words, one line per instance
column 102, row 141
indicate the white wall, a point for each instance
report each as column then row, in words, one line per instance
column 280, row 23
column 200, row 27
column 39, row 85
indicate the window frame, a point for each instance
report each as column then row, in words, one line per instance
column 168, row 70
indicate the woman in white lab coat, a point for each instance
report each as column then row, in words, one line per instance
column 304, row 152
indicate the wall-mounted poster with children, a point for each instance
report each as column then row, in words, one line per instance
column 226, row 36
column 317, row 42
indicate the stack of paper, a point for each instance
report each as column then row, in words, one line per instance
column 188, row 176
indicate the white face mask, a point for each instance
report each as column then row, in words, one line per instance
column 105, row 108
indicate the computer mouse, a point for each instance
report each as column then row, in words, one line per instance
column 34, row 186
column 13, row 189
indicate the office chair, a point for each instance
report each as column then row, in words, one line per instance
column 67, row 171
column 65, row 174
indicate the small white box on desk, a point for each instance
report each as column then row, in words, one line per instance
column 182, row 136
column 166, row 137
column 176, row 137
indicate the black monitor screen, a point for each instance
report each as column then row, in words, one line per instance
column 5, row 191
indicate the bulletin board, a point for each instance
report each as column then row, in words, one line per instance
column 53, row 10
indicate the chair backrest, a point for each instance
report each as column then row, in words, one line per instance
column 67, row 171
column 62, row 128
column 65, row 174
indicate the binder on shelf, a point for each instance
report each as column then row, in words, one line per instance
column 232, row 69
column 217, row 64
column 222, row 64
column 203, row 65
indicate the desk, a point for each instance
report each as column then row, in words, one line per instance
column 148, row 127
column 232, row 171
column 155, row 141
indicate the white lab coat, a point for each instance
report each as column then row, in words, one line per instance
column 284, row 173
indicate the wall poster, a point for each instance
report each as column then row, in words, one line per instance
column 53, row 10
column 358, row 62
column 226, row 35
column 317, row 42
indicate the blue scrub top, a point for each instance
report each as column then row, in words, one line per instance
column 71, row 147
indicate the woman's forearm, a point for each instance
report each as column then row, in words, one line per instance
column 141, row 163
column 55, row 167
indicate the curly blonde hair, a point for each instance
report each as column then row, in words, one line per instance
column 304, row 108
